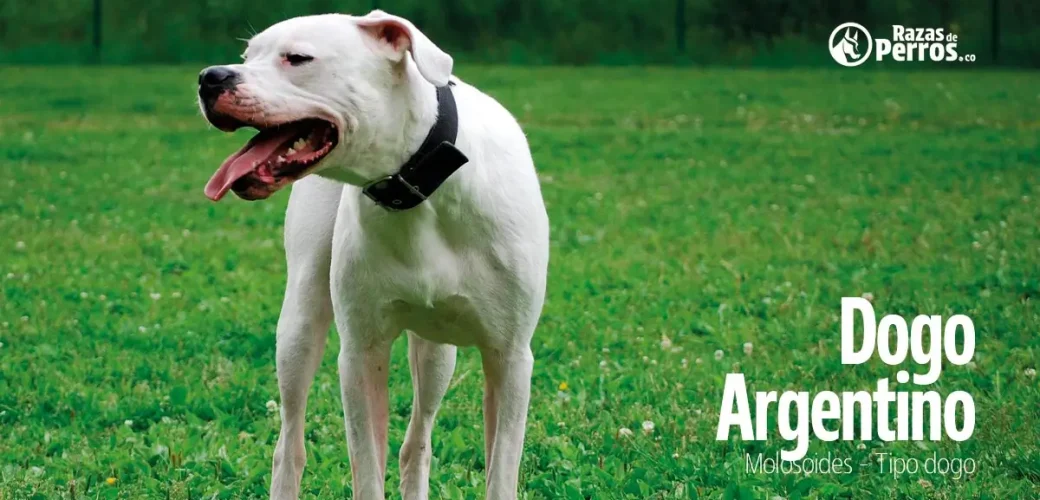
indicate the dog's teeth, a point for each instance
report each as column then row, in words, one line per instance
column 300, row 143
column 290, row 152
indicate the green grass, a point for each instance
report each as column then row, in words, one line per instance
column 713, row 207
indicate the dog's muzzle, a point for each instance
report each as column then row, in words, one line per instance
column 216, row 80
column 217, row 86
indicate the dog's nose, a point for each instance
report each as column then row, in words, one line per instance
column 216, row 79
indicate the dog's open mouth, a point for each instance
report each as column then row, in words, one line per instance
column 275, row 157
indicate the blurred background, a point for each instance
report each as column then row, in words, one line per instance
column 769, row 33
column 709, row 207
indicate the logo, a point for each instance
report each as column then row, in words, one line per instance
column 851, row 44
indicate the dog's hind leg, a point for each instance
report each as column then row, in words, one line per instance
column 432, row 366
column 304, row 321
column 507, row 392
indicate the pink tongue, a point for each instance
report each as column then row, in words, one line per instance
column 245, row 160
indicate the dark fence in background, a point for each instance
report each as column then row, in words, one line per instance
column 733, row 32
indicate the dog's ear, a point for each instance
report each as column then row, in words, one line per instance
column 399, row 35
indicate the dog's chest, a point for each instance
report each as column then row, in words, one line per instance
column 449, row 320
column 435, row 297
column 418, row 278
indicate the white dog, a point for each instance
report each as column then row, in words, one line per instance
column 365, row 104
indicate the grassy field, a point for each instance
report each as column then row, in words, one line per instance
column 704, row 209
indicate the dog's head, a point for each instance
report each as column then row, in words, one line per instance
column 851, row 45
column 314, row 87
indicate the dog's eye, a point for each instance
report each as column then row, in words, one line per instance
column 298, row 59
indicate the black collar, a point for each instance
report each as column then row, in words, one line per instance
column 429, row 167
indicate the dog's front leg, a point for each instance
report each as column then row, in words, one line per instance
column 363, row 370
column 304, row 321
column 302, row 330
column 507, row 392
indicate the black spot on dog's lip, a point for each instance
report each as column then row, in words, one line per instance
column 223, row 122
column 251, row 188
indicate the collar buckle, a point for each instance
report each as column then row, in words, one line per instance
column 394, row 193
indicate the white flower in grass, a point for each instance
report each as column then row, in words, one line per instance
column 176, row 295
column 719, row 354
column 1030, row 372
column 83, row 295
column 155, row 295
column 603, row 364
column 698, row 361
column 272, row 406
column 142, row 328
column 861, row 446
column 868, row 296
column 666, row 343
column 128, row 423
column 10, row 276
column 19, row 245
column 625, row 432
column 648, row 427
column 685, row 363
column 225, row 300
column 102, row 297
column 748, row 347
